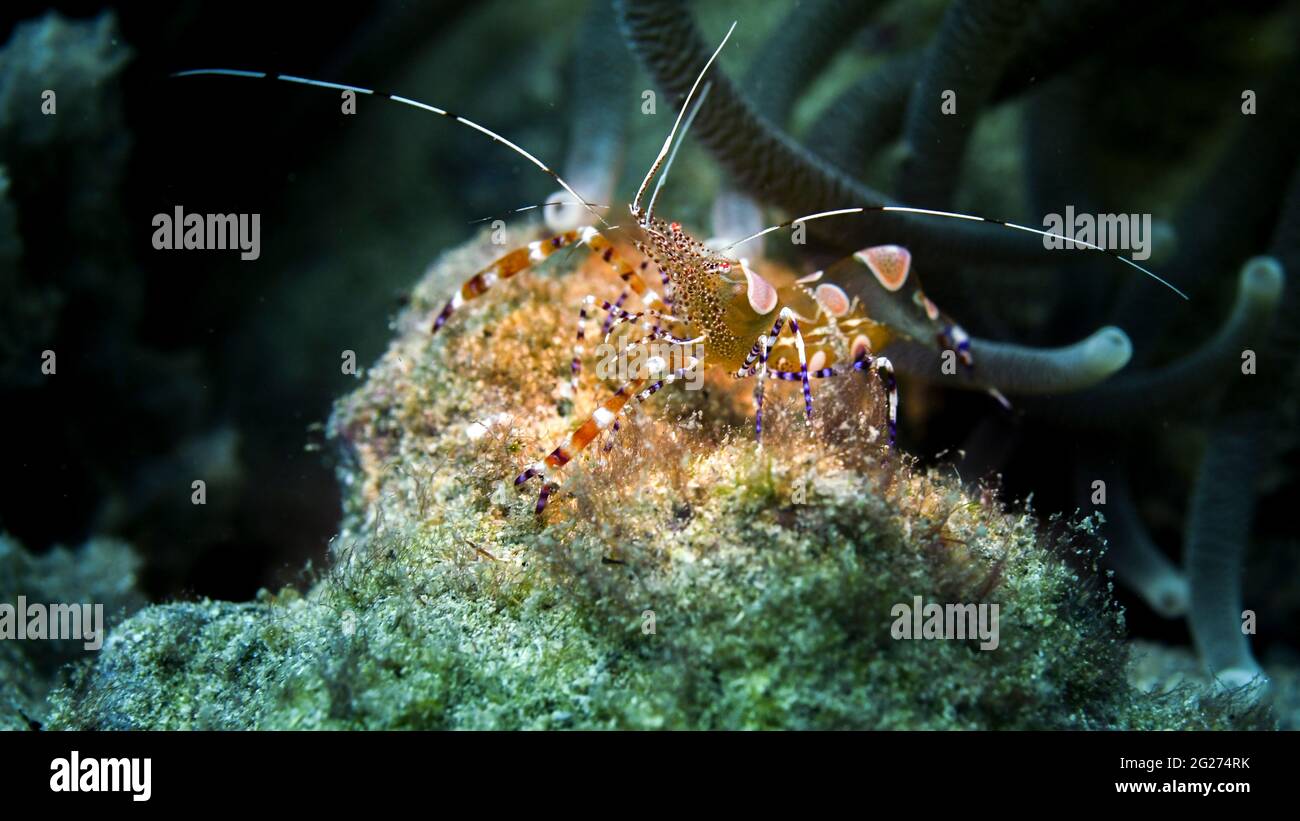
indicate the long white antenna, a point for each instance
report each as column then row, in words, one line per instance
column 495, row 137
column 668, row 166
column 903, row 209
column 663, row 152
column 529, row 208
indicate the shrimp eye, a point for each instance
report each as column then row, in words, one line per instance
column 676, row 227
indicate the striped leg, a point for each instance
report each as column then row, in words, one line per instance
column 603, row 418
column 760, row 351
column 660, row 320
column 645, row 394
column 644, row 270
column 598, row 243
column 879, row 365
column 584, row 314
column 610, row 315
column 524, row 258
column 749, row 368
column 575, row 367
column 609, row 441
column 954, row 338
column 666, row 379
column 758, row 390
column 803, row 366
column 650, row 333
column 665, row 280
column 600, row 420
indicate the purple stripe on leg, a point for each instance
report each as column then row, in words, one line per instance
column 609, row 317
column 442, row 318
column 807, row 390
column 543, row 497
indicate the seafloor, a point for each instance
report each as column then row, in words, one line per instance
column 682, row 578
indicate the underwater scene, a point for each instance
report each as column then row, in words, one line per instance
column 650, row 365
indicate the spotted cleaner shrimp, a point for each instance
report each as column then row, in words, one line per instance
column 715, row 301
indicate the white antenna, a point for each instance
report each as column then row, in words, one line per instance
column 668, row 166
column 495, row 137
column 663, row 152
column 903, row 209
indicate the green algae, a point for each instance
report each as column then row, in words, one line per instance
column 682, row 579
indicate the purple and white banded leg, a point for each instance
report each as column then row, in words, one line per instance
column 760, row 351
column 585, row 313
column 602, row 419
column 879, row 365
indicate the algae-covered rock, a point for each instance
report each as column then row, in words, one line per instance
column 101, row 571
column 681, row 577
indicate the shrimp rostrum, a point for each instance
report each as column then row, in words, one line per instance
column 703, row 307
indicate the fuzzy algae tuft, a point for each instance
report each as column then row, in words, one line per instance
column 683, row 578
